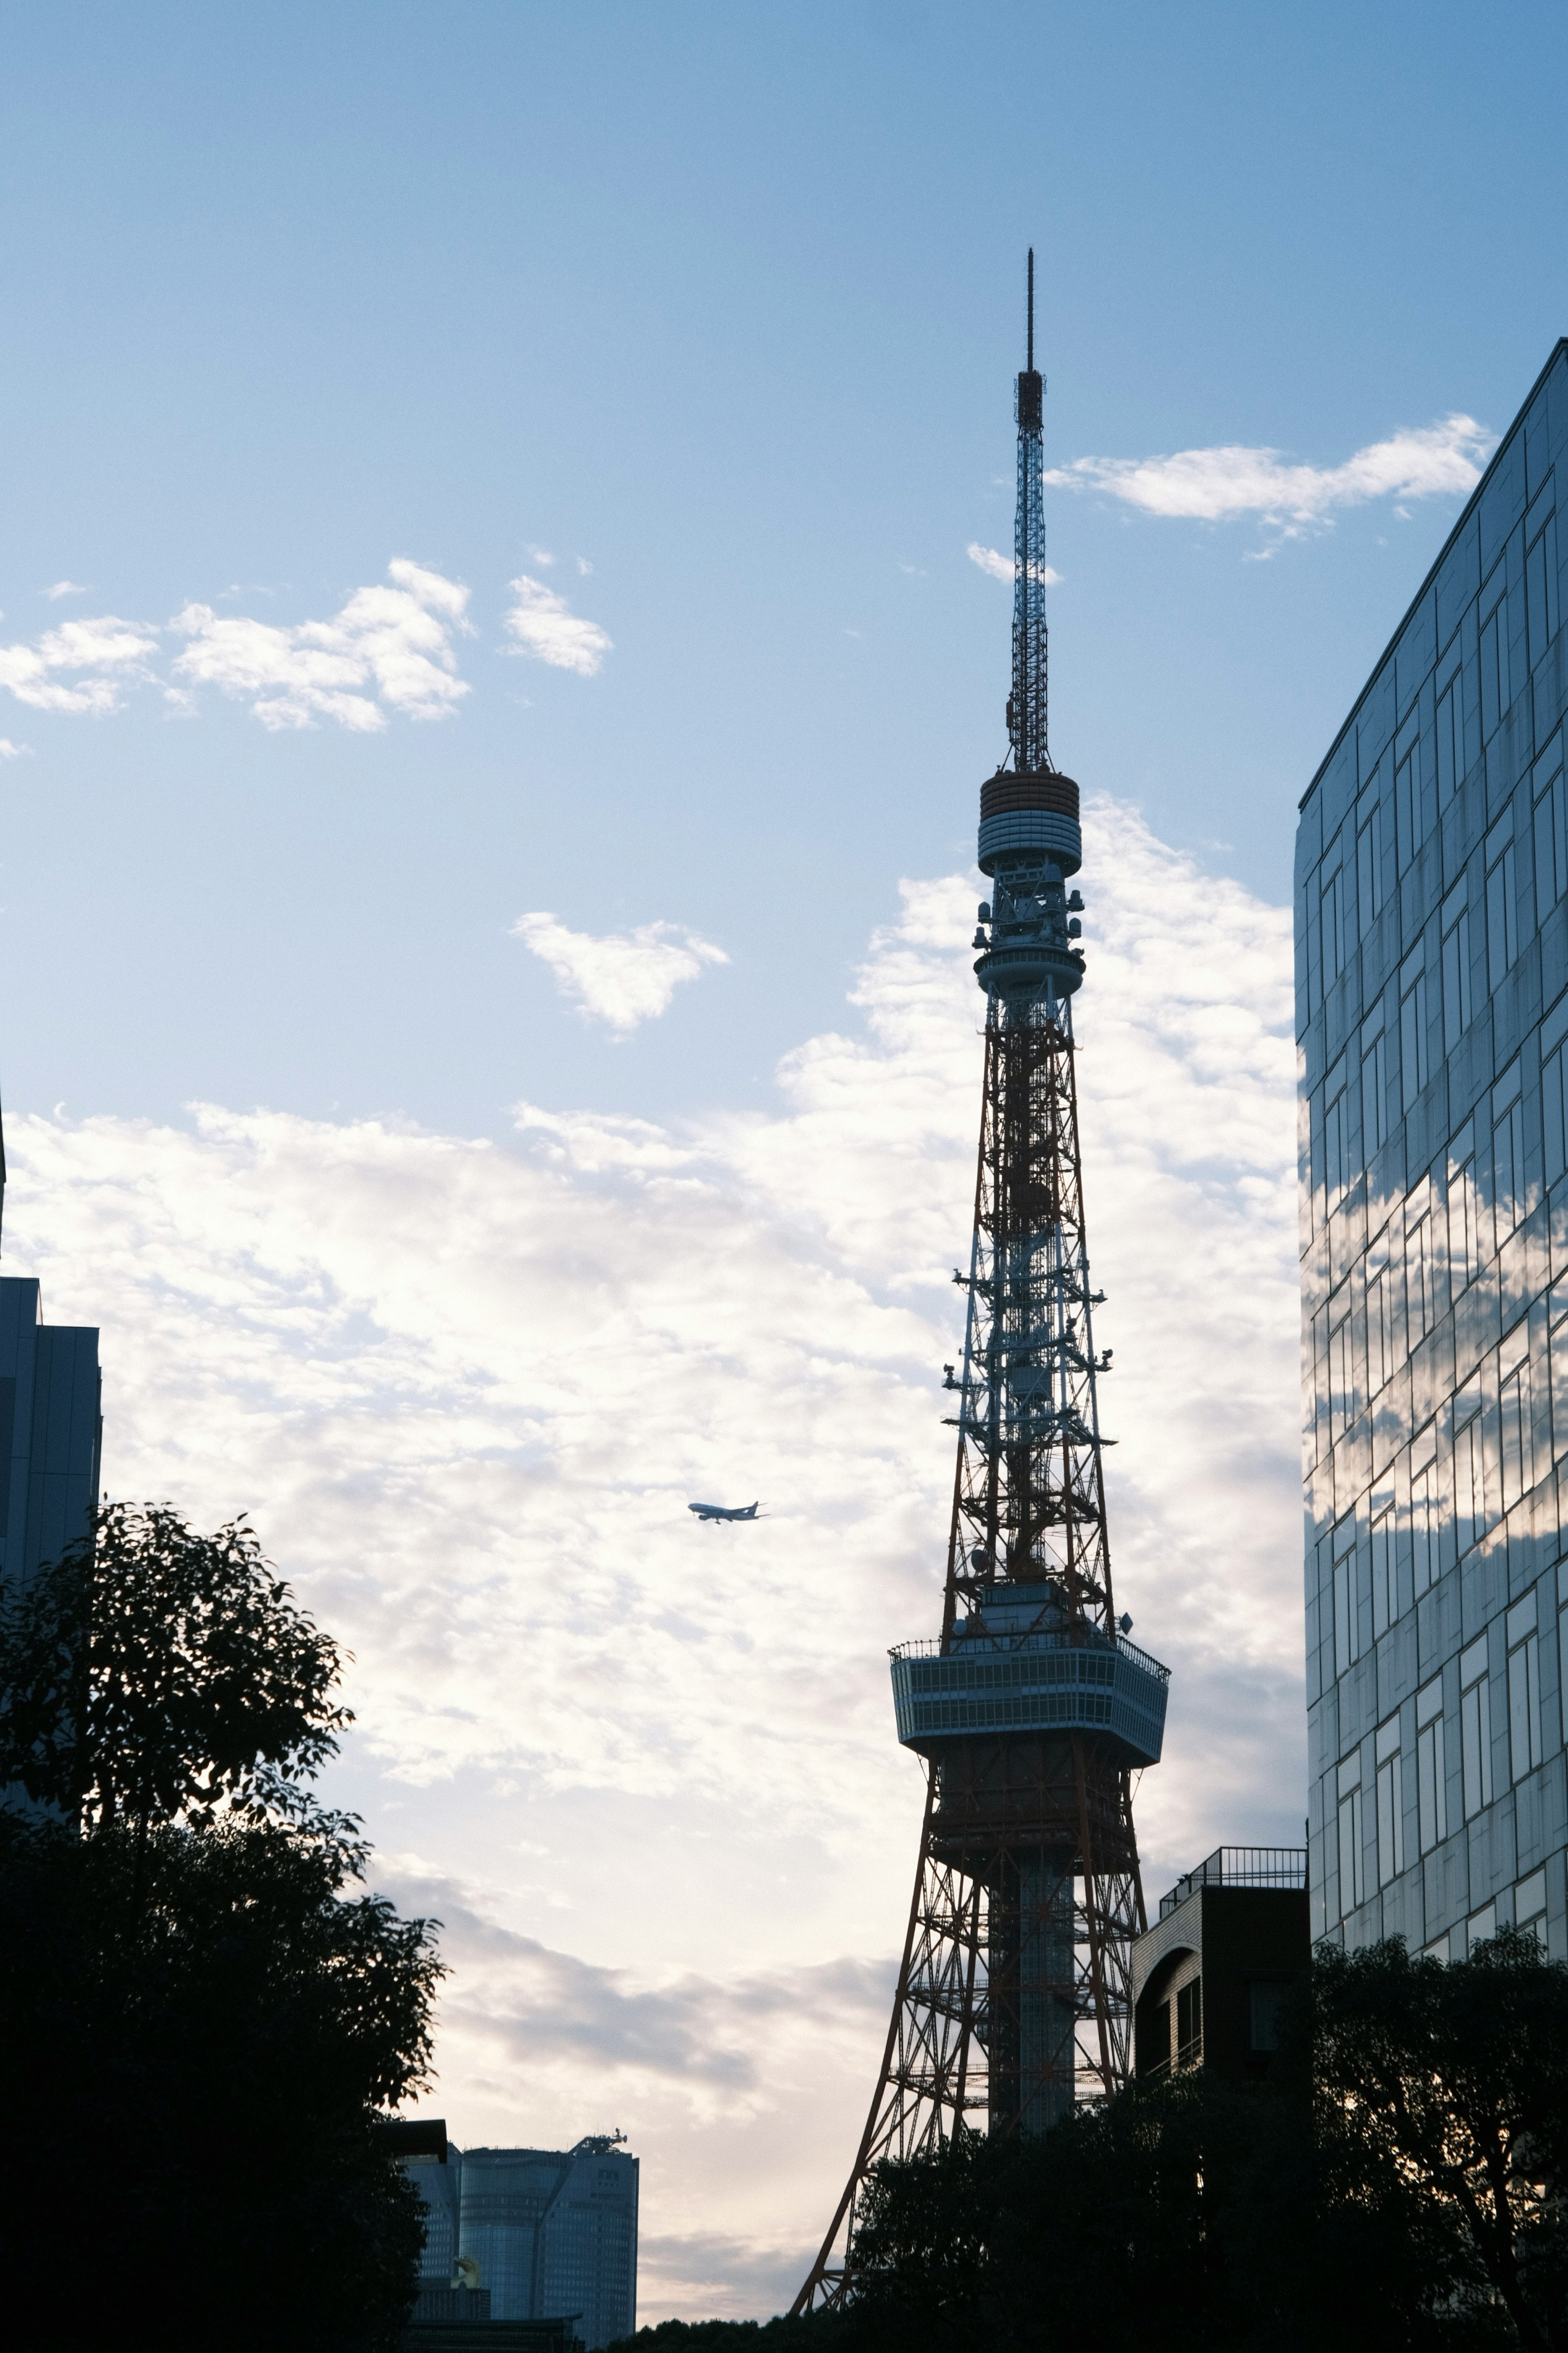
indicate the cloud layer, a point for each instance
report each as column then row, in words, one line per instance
column 543, row 624
column 1216, row 485
column 622, row 978
column 389, row 648
column 646, row 1771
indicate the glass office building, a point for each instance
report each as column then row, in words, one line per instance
column 554, row 2233
column 1431, row 922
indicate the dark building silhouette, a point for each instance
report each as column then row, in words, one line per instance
column 51, row 1427
column 1209, row 1974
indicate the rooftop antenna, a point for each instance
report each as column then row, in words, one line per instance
column 1031, row 309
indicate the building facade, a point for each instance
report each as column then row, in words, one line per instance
column 555, row 2234
column 51, row 1427
column 1211, row 1971
column 1431, row 923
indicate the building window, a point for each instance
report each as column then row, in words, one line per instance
column 1455, row 969
column 1265, row 2000
column 1464, row 1222
column 1384, row 1584
column 1190, row 2023
column 1508, row 1202
column 1334, row 916
column 1449, row 771
column 1412, row 1052
column 1341, row 1369
column 1373, row 1094
column 1432, row 1798
column 1503, row 921
column 1389, row 1804
column 1540, row 590
column 1523, row 1689
column 1496, row 695
column 1351, row 1889
column 1347, row 1645
column 1551, row 840
column 1553, row 1104
column 1369, row 869
column 1469, row 1467
column 1557, row 1365
column 1336, row 1139
column 1409, row 806
column 1382, row 1350
column 1424, row 1528
column 1529, row 1908
column 1518, row 1438
column 1420, row 1304
column 1475, row 1727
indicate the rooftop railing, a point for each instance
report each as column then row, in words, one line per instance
column 1241, row 1866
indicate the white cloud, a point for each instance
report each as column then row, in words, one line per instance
column 389, row 648
column 540, row 555
column 624, row 977
column 1215, row 485
column 9, row 751
column 85, row 667
column 66, row 588
column 647, row 1771
column 544, row 625
column 583, row 565
column 1000, row 567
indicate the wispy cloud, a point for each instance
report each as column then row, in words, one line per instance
column 85, row 667
column 622, row 978
column 9, row 751
column 66, row 588
column 1000, row 567
column 467, row 1393
column 544, row 625
column 390, row 648
column 1218, row 484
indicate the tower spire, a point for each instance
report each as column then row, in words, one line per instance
column 1032, row 1710
column 1027, row 729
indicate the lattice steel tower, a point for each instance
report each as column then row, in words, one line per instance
column 1033, row 1710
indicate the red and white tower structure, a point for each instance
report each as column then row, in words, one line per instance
column 1032, row 1711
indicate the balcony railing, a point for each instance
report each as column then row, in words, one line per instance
column 1241, row 1866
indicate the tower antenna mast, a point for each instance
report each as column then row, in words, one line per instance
column 1029, row 729
column 1032, row 1711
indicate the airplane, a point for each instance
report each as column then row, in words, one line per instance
column 723, row 1512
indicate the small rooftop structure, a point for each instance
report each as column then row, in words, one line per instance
column 1210, row 1974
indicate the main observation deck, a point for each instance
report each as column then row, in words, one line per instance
column 1013, row 1677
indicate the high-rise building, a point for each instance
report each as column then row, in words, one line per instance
column 439, row 2181
column 554, row 2233
column 1431, row 902
column 51, row 1427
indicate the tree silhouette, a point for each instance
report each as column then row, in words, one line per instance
column 154, row 1675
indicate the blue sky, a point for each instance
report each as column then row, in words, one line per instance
column 726, row 300
column 495, row 606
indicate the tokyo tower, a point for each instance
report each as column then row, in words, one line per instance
column 1032, row 1711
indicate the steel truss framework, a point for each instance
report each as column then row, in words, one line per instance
column 1027, row 1842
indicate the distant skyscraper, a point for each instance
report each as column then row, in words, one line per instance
column 440, row 2186
column 1431, row 1014
column 554, row 2232
column 50, row 1428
